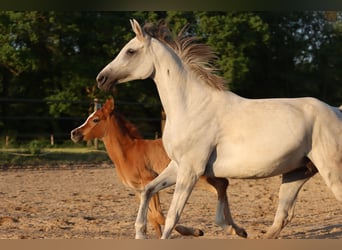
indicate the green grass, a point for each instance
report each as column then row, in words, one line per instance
column 51, row 156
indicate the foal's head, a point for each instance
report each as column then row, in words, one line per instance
column 103, row 121
column 95, row 126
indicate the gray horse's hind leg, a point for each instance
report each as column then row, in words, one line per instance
column 223, row 215
column 291, row 184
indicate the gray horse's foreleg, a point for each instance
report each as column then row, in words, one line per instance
column 186, row 180
column 164, row 180
column 291, row 184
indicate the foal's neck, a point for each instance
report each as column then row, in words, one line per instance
column 117, row 142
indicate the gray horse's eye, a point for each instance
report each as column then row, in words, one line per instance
column 130, row 52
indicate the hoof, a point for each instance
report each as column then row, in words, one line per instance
column 188, row 231
column 198, row 232
column 242, row 233
column 140, row 236
column 235, row 230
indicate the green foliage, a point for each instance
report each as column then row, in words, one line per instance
column 36, row 146
column 233, row 36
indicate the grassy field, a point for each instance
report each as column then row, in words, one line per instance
column 21, row 157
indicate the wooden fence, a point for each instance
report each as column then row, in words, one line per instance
column 6, row 138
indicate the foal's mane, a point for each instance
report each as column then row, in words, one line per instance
column 198, row 56
column 126, row 126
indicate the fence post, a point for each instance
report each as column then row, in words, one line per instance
column 97, row 106
column 52, row 140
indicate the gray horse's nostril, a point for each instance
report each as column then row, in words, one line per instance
column 101, row 79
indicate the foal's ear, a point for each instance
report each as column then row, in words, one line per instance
column 110, row 104
column 108, row 107
column 137, row 30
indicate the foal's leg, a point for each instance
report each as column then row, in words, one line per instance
column 291, row 184
column 223, row 216
column 166, row 178
column 155, row 215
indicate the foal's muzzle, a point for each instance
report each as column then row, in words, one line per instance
column 76, row 135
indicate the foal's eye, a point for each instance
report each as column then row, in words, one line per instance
column 130, row 52
column 96, row 120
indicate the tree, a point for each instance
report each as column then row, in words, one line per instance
column 26, row 46
column 53, row 56
column 234, row 37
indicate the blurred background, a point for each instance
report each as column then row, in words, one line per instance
column 49, row 61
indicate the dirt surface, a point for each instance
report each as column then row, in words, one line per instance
column 89, row 202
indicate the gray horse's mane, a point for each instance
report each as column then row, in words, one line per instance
column 198, row 56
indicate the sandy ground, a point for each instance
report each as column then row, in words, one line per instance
column 89, row 202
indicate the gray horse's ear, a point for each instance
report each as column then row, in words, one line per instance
column 137, row 30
